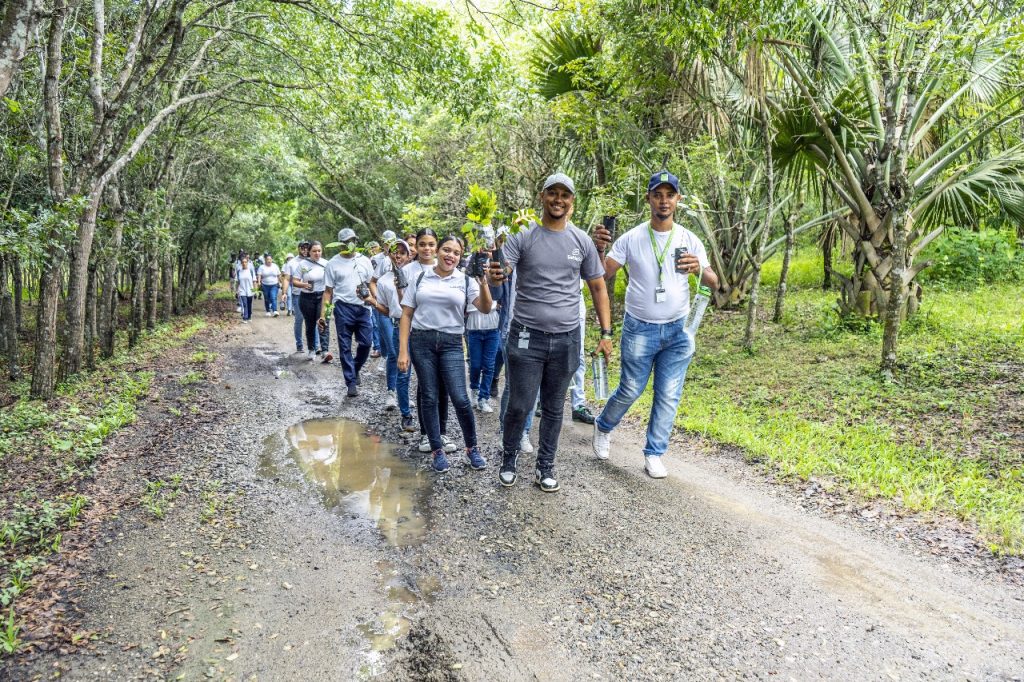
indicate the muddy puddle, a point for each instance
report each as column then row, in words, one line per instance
column 365, row 480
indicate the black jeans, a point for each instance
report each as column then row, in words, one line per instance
column 548, row 364
column 309, row 304
column 438, row 359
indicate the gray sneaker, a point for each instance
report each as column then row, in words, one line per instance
column 449, row 446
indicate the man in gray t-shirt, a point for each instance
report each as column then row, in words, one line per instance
column 543, row 342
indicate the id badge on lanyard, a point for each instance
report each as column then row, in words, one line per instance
column 524, row 339
column 659, row 293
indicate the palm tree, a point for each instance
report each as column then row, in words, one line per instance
column 896, row 116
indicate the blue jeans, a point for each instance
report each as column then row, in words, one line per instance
column 483, row 348
column 270, row 297
column 438, row 360
column 297, row 311
column 547, row 363
column 402, row 378
column 667, row 350
column 577, row 394
column 389, row 349
column 352, row 320
column 375, row 329
column 246, row 302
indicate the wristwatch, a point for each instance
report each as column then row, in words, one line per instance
column 606, row 334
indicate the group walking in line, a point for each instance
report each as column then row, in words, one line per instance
column 412, row 303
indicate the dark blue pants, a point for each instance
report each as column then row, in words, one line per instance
column 352, row 320
column 438, row 360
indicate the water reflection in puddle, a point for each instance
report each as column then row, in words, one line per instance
column 363, row 478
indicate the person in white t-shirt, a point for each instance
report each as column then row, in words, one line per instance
column 245, row 275
column 387, row 303
column 269, row 276
column 660, row 255
column 431, row 330
column 309, row 280
column 347, row 286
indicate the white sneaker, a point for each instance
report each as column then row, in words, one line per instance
column 391, row 402
column 654, row 467
column 485, row 406
column 424, row 445
column 275, row 313
column 449, row 446
column 267, row 314
column 238, row 308
column 310, row 355
column 525, row 446
column 602, row 444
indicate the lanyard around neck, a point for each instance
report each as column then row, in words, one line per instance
column 660, row 257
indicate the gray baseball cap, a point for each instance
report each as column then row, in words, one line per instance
column 559, row 179
column 346, row 234
column 388, row 236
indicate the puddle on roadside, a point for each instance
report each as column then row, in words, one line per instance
column 364, row 479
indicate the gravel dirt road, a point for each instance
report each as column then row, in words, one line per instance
column 310, row 542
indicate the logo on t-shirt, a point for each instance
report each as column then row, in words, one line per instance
column 576, row 255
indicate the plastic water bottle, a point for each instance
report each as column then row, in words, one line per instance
column 600, row 372
column 700, row 304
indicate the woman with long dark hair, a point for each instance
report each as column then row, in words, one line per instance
column 426, row 250
column 311, row 271
column 431, row 331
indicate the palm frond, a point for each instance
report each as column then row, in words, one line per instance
column 564, row 62
column 995, row 184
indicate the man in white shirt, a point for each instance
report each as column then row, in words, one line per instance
column 660, row 255
column 347, row 286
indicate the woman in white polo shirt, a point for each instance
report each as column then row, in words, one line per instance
column 431, row 331
column 311, row 283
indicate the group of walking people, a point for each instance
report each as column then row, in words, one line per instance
column 524, row 314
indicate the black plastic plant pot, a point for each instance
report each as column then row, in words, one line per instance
column 478, row 265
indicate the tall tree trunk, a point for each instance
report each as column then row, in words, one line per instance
column 78, row 281
column 787, row 255
column 828, row 240
column 109, row 300
column 44, row 376
column 748, row 335
column 8, row 325
column 138, row 294
column 15, row 28
column 90, row 318
column 19, row 292
column 152, row 287
column 168, row 287
column 898, row 294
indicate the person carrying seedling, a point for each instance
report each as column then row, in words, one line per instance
column 661, row 255
column 542, row 352
column 346, row 285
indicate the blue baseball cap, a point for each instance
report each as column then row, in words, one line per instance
column 663, row 177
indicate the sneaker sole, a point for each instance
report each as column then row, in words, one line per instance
column 440, row 471
column 548, row 490
column 478, row 468
column 656, row 476
column 509, row 484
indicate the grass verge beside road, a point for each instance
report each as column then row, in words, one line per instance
column 48, row 451
column 945, row 436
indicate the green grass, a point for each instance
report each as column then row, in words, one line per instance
column 810, row 400
column 53, row 446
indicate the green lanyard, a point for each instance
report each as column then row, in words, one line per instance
column 660, row 257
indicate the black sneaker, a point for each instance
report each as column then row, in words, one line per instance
column 407, row 424
column 546, row 480
column 582, row 414
column 353, row 391
column 507, row 474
